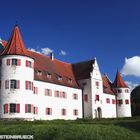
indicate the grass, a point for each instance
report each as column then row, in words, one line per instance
column 104, row 129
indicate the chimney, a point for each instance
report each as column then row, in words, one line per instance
column 52, row 56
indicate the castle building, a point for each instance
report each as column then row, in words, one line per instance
column 35, row 86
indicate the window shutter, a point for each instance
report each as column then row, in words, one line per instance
column 27, row 64
column 65, row 95
column 45, row 92
column 46, row 111
column 7, row 84
column 5, row 108
column 26, row 108
column 36, row 90
column 32, row 86
column 18, row 108
column 32, row 109
column 36, row 110
column 8, row 61
column 18, row 84
column 54, row 93
column 86, row 97
column 18, row 62
column 26, row 84
column 50, row 111
column 61, row 94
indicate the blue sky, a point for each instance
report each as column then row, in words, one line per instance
column 106, row 29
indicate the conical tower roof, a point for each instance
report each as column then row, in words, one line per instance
column 15, row 45
column 119, row 82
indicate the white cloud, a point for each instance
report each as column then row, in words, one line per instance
column 62, row 53
column 131, row 66
column 45, row 51
column 131, row 85
column 33, row 50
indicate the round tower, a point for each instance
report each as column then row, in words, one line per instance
column 16, row 77
column 123, row 102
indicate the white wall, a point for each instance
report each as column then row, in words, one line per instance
column 23, row 96
column 124, row 110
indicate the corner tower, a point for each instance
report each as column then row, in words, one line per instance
column 16, row 76
column 122, row 91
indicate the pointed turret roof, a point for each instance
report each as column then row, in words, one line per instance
column 119, row 82
column 15, row 45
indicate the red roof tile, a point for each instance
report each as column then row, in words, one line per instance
column 15, row 44
column 107, row 85
column 55, row 68
column 82, row 69
column 119, row 82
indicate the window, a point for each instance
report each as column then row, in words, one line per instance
column 13, row 84
column 49, row 75
column 119, row 91
column 126, row 101
column 28, row 108
column 39, row 73
column 56, row 94
column 48, row 111
column 86, row 98
column 5, row 108
column 113, row 101
column 29, row 85
column 69, row 80
column 6, row 84
column 97, row 97
column 126, row 91
column 75, row 112
column 8, row 61
column 108, row 100
column 29, row 64
column 97, row 83
column 35, row 110
column 12, row 108
column 75, row 96
column 63, row 112
column 48, row 92
column 35, row 90
column 59, row 77
column 63, row 95
column 119, row 102
column 14, row 62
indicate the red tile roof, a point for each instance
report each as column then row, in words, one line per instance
column 15, row 44
column 119, row 82
column 55, row 68
column 82, row 69
column 107, row 85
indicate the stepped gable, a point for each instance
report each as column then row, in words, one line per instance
column 107, row 85
column 119, row 82
column 82, row 69
column 15, row 45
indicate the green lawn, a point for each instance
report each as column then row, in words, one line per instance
column 104, row 129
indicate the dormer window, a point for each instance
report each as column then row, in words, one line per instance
column 39, row 73
column 49, row 75
column 69, row 80
column 59, row 78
